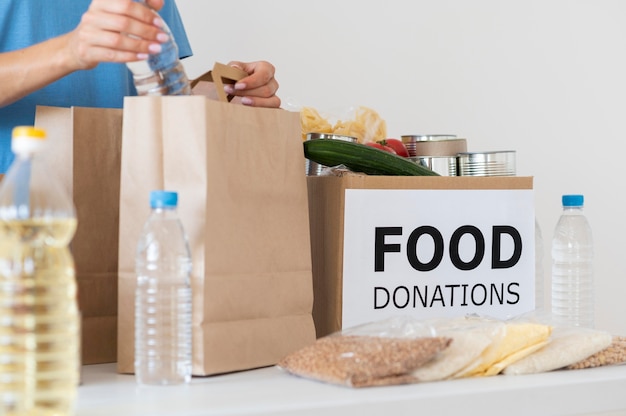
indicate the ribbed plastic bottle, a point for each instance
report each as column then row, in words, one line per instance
column 162, row 73
column 572, row 266
column 163, row 296
column 39, row 320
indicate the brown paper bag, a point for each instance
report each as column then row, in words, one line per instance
column 243, row 203
column 84, row 149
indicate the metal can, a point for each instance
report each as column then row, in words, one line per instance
column 443, row 165
column 410, row 140
column 495, row 163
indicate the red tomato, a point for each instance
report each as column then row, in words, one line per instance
column 381, row 147
column 396, row 145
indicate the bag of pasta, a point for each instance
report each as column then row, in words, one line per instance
column 362, row 123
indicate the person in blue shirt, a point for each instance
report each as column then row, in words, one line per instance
column 72, row 53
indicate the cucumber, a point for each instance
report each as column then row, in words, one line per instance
column 362, row 158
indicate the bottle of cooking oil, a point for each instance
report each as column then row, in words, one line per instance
column 39, row 324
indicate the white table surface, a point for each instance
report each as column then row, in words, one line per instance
column 269, row 391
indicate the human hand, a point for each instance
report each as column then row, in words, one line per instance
column 116, row 31
column 259, row 88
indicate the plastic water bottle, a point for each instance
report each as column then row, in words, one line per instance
column 572, row 266
column 162, row 73
column 39, row 319
column 163, row 296
column 539, row 275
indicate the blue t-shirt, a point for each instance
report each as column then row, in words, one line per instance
column 26, row 22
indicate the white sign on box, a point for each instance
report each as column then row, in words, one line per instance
column 437, row 253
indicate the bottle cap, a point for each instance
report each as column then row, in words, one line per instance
column 27, row 139
column 573, row 200
column 163, row 199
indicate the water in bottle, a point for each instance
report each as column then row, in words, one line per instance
column 162, row 73
column 539, row 277
column 572, row 266
column 39, row 325
column 163, row 296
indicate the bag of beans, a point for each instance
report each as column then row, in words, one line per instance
column 381, row 353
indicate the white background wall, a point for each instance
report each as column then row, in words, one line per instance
column 546, row 78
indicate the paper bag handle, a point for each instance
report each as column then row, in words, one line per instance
column 221, row 74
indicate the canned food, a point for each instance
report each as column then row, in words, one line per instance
column 448, row 147
column 497, row 163
column 411, row 140
column 443, row 165
column 315, row 169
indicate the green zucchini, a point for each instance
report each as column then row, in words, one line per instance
column 362, row 158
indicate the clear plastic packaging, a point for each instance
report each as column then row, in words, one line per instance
column 40, row 327
column 512, row 340
column 363, row 123
column 406, row 350
column 566, row 346
column 471, row 336
column 163, row 297
column 380, row 353
column 614, row 354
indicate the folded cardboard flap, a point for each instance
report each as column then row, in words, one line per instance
column 326, row 215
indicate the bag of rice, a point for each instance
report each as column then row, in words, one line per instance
column 470, row 337
column 518, row 340
column 567, row 346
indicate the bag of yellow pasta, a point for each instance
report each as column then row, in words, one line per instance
column 363, row 123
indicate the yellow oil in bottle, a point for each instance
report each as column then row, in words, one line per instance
column 39, row 321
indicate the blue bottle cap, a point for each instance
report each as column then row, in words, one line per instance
column 573, row 200
column 163, row 199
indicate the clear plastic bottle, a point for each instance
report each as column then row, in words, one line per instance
column 572, row 266
column 39, row 325
column 163, row 296
column 162, row 73
column 539, row 275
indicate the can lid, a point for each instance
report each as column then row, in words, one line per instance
column 163, row 199
column 27, row 139
column 573, row 200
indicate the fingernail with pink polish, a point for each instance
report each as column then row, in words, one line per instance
column 162, row 37
column 154, row 48
column 246, row 101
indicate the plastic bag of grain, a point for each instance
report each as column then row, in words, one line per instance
column 380, row 353
column 566, row 346
column 518, row 339
column 614, row 354
column 470, row 338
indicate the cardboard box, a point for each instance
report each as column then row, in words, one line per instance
column 413, row 215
